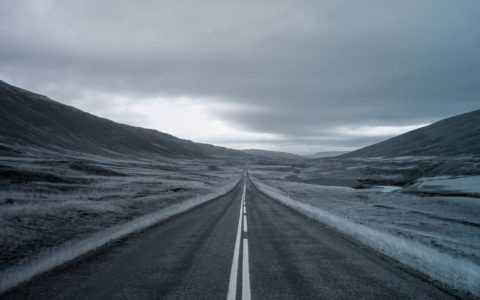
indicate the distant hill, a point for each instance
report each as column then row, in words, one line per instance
column 272, row 154
column 31, row 119
column 326, row 154
column 458, row 135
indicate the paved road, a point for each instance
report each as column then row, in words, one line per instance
column 241, row 245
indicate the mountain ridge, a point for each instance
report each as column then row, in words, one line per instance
column 32, row 119
column 323, row 154
column 454, row 136
column 271, row 154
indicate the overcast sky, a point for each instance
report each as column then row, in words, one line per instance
column 297, row 76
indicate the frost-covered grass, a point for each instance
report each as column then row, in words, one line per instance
column 448, row 185
column 367, row 172
column 454, row 269
column 48, row 200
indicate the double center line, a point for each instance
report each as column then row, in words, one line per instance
column 232, row 287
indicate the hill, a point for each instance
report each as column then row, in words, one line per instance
column 30, row 119
column 454, row 136
column 326, row 154
column 272, row 154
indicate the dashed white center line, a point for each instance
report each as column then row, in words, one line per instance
column 246, row 295
column 244, row 223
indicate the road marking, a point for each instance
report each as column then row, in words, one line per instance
column 244, row 210
column 244, row 223
column 244, row 189
column 232, row 286
column 246, row 295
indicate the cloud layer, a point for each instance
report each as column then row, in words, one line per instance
column 300, row 76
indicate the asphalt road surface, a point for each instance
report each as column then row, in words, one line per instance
column 242, row 245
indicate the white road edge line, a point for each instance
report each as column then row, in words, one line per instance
column 232, row 286
column 246, row 294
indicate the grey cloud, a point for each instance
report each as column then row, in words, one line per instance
column 302, row 68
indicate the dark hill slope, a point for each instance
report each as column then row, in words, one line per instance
column 458, row 135
column 30, row 119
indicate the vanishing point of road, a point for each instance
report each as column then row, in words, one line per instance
column 243, row 245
